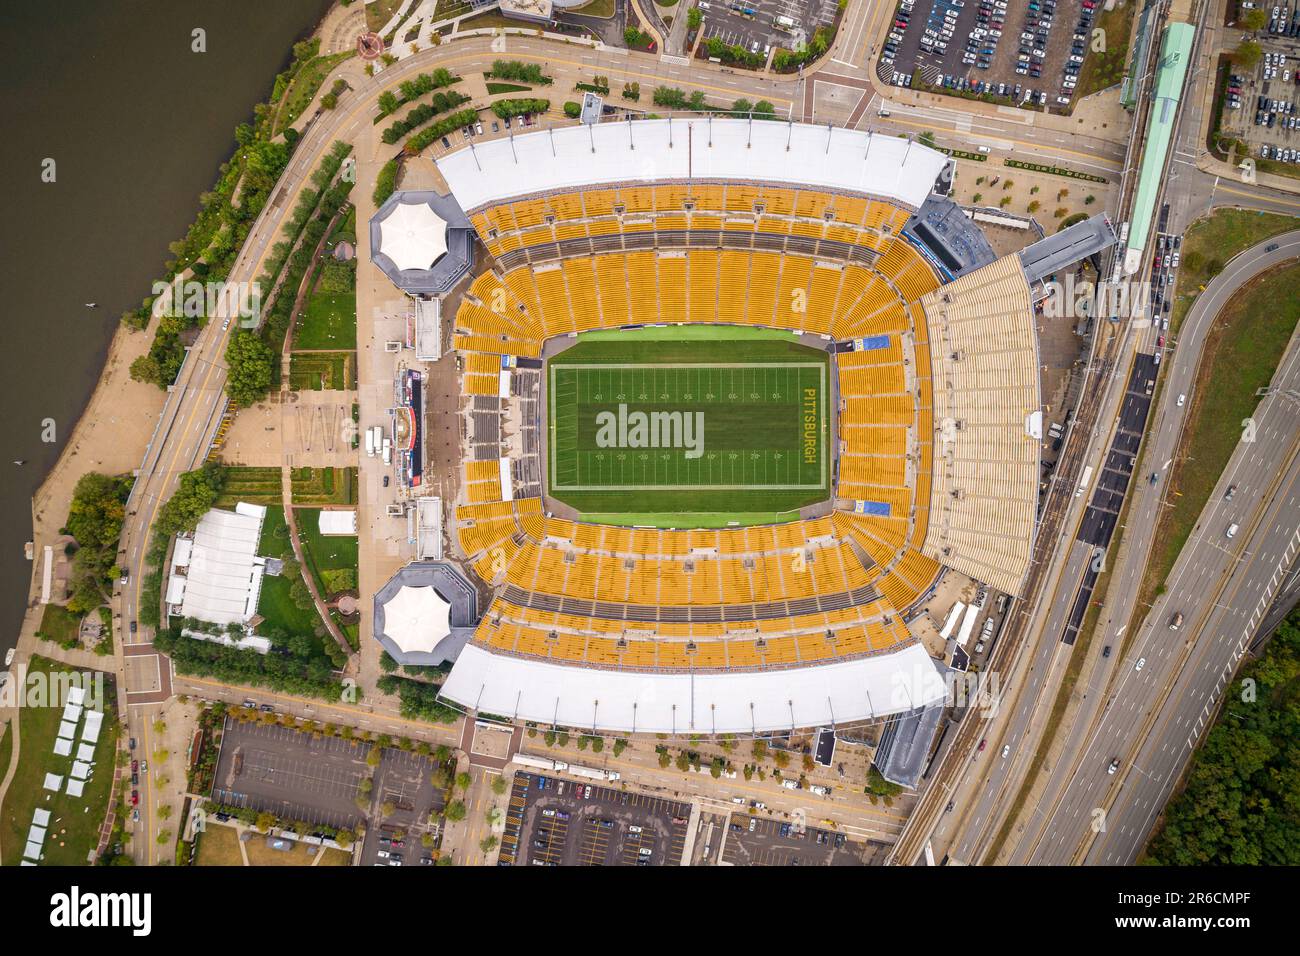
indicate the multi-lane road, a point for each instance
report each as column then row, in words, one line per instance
column 1113, row 701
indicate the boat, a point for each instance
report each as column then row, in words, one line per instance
column 9, row 655
column 92, row 305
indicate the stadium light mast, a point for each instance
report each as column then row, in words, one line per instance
column 789, row 134
column 670, row 132
column 749, row 133
column 550, row 132
column 475, row 155
column 829, row 130
column 590, row 138
column 512, row 147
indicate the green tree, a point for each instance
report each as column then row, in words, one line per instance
column 1247, row 54
column 251, row 368
column 572, row 110
column 1255, row 19
column 455, row 811
column 463, row 781
column 693, row 19
column 195, row 493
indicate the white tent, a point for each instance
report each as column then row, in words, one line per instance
column 337, row 522
column 68, row 729
column 72, row 711
column 94, row 720
column 86, row 752
column 413, row 236
column 225, row 574
column 33, row 851
column 53, row 782
column 416, row 618
column 63, row 747
column 41, row 817
column 76, row 787
column 80, row 769
column 76, row 695
column 36, row 834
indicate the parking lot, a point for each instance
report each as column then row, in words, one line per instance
column 751, row 841
column 759, row 24
column 1260, row 104
column 294, row 775
column 404, row 781
column 552, row 822
column 1030, row 56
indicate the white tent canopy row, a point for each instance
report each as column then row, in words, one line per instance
column 795, row 154
column 90, row 729
column 76, row 787
column 63, row 746
column 726, row 702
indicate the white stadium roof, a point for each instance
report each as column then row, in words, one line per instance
column 714, row 702
column 413, row 236
column 417, row 618
column 665, row 150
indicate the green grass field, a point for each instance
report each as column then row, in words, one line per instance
column 74, row 830
column 329, row 321
column 642, row 425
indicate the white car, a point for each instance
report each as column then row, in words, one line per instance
column 1142, row 662
column 1181, row 400
column 1006, row 750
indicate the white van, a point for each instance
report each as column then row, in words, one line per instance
column 1232, row 530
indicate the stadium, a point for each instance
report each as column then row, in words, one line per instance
column 737, row 396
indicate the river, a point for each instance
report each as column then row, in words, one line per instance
column 137, row 124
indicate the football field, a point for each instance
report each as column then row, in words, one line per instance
column 744, row 429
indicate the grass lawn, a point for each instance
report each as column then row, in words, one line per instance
column 274, row 542
column 260, row 486
column 1241, row 355
column 259, row 854
column 597, row 8
column 1212, row 241
column 494, row 88
column 59, row 624
column 322, row 370
column 74, row 827
column 219, row 846
column 327, row 555
column 379, row 12
column 673, row 426
column 1103, row 70
column 6, row 747
column 328, row 322
column 697, row 519
column 305, row 85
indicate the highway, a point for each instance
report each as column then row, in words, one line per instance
column 1217, row 589
column 1082, row 748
